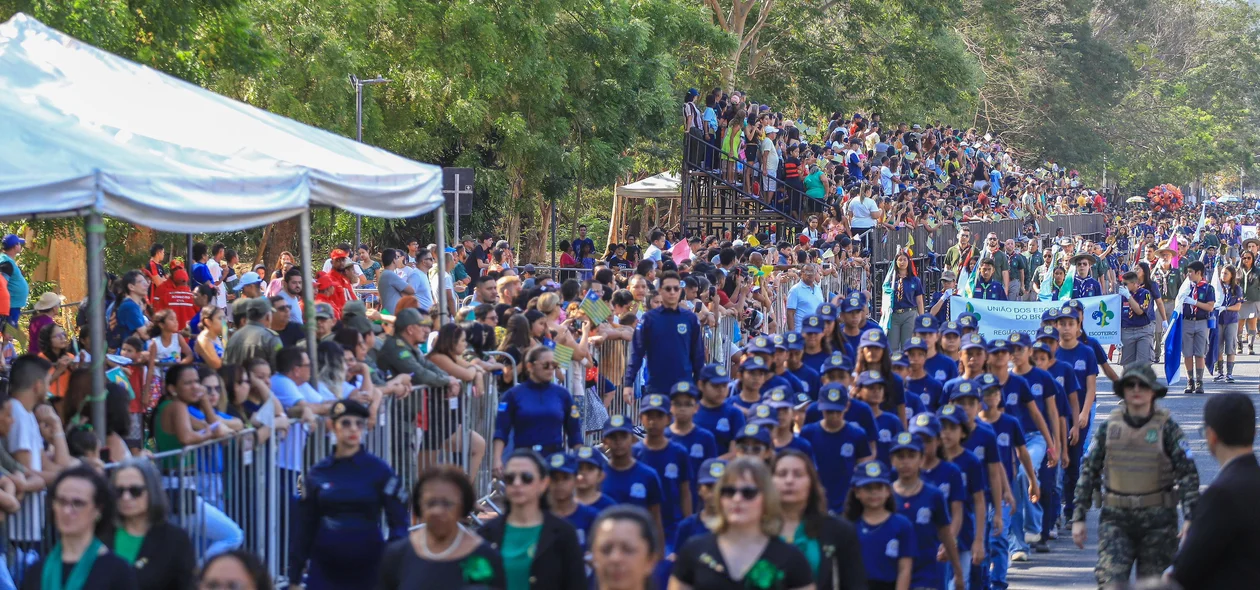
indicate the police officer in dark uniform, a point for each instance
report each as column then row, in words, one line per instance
column 1084, row 284
column 339, row 513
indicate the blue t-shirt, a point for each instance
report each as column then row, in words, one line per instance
column 799, row 444
column 884, row 544
column 201, row 275
column 701, row 446
column 673, row 469
column 914, row 405
column 860, row 413
column 603, row 502
column 887, row 427
column 1043, row 389
column 723, row 421
column 906, row 291
column 1009, row 437
column 637, row 486
column 1084, row 363
column 815, row 361
column 947, row 478
column 928, row 512
column 130, row 317
column 941, row 368
column 810, row 378
column 983, row 442
column 582, row 519
column 1015, row 394
column 692, row 526
column 973, row 476
column 927, row 389
column 843, row 450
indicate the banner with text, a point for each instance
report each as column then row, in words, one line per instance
column 999, row 318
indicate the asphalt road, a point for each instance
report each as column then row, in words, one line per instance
column 1067, row 567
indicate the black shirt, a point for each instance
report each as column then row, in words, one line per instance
column 474, row 271
column 292, row 334
column 781, row 566
column 109, row 572
column 402, row 568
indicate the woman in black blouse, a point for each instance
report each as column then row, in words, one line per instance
column 160, row 552
column 441, row 553
column 744, row 551
column 83, row 509
column 829, row 544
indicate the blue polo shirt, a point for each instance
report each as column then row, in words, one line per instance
column 1009, row 438
column 701, row 445
column 926, row 389
column 639, row 486
column 973, row 477
column 941, row 367
column 844, row 448
column 928, row 512
column 905, row 291
column 723, row 422
column 883, row 545
column 673, row 468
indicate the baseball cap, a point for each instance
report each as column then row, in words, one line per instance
column 771, row 129
column 617, row 423
column 856, row 301
column 562, row 463
column 338, row 253
column 410, row 317
column 761, row 345
column 180, row 276
column 757, row 432
column 323, row 282
column 951, row 413
column 259, row 306
column 715, row 374
column 999, row 345
column 591, row 456
column 967, row 320
column 827, row 312
column 754, row 363
column 868, row 378
column 873, row 337
column 1048, row 333
column 779, row 342
column 833, row 397
column 324, row 311
column 974, row 340
column 793, row 341
column 949, row 275
column 249, row 278
column 1050, row 315
column 348, row 407
column 948, row 328
column 685, row 388
column 986, row 382
column 353, row 308
column 1043, row 347
column 925, row 423
column 926, row 323
column 654, row 403
column 914, row 343
column 837, row 362
column 871, row 472
column 812, row 325
column 764, row 414
column 906, row 440
column 710, row 471
column 1018, row 340
column 12, row 240
column 962, row 388
column 527, row 269
column 1068, row 311
column 778, row 399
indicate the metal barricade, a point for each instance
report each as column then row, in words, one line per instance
column 213, row 492
column 721, row 342
column 613, row 357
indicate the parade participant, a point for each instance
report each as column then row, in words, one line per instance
column 669, row 460
column 854, row 313
column 342, row 500
column 83, row 512
column 783, row 435
column 873, row 356
column 1066, row 388
column 988, row 286
column 1194, row 325
column 828, row 313
column 919, row 384
column 590, row 478
column 939, row 306
column 624, row 549
column 973, row 360
column 1222, row 547
column 626, row 480
column 1084, row 363
column 1142, row 453
column 1227, row 324
column 847, row 443
column 1003, row 548
column 528, row 530
column 779, row 360
column 537, row 413
column 807, row 375
column 954, row 432
column 871, row 390
column 1249, row 280
column 947, row 478
column 754, row 441
column 1046, row 394
column 968, row 324
column 677, row 343
column 754, row 372
column 817, row 348
column 161, row 552
column 829, row 544
column 926, row 507
column 562, row 495
column 1083, row 283
column 886, row 537
column 1137, row 323
column 1018, row 399
column 699, row 443
column 715, row 414
column 907, row 300
column 441, row 552
column 705, row 519
column 745, row 541
column 944, row 342
column 763, row 348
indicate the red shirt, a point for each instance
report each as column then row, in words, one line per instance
column 177, row 298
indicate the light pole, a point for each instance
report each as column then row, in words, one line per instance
column 358, row 136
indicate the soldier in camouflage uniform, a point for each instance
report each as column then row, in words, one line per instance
column 1136, row 458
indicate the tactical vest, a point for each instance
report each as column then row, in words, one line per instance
column 1136, row 462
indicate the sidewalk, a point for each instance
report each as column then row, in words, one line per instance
column 1069, row 568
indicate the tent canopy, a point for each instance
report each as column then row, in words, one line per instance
column 81, row 128
column 665, row 185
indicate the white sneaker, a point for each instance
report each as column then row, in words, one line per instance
column 1032, row 537
column 1019, row 556
column 1054, row 534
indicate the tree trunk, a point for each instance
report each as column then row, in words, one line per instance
column 278, row 237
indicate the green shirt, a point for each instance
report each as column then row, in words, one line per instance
column 369, row 272
column 458, row 274
column 127, row 545
column 809, row 547
column 518, row 554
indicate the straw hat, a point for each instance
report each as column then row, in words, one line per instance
column 49, row 301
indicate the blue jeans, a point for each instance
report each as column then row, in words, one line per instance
column 964, row 559
column 219, row 531
column 1000, row 549
column 1051, row 500
column 6, row 579
column 979, row 579
column 14, row 314
column 1028, row 513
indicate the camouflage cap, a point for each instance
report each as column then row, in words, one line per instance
column 1140, row 373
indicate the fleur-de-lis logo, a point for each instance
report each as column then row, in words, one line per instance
column 1103, row 316
column 971, row 310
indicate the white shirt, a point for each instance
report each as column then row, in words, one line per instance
column 863, row 212
column 419, row 280
column 652, row 253
column 216, row 273
column 328, row 267
column 772, row 156
column 24, row 436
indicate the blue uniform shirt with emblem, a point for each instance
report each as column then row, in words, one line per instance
column 941, row 368
column 927, row 511
column 671, row 343
column 637, row 485
column 1086, row 287
column 991, row 289
column 723, row 421
column 538, row 414
column 883, row 544
column 701, row 445
column 1009, row 438
column 843, row 449
column 673, row 469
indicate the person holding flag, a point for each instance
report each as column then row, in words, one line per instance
column 1197, row 305
column 961, row 258
column 987, row 285
column 903, row 301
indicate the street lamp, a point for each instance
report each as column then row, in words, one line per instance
column 358, row 124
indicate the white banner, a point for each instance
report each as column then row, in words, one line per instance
column 999, row 318
column 1248, row 231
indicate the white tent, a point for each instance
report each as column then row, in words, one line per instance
column 82, row 129
column 665, row 185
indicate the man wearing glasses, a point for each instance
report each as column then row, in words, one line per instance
column 677, row 344
column 289, row 331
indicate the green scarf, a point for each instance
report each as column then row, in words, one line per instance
column 51, row 579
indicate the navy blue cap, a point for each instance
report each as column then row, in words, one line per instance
column 926, row 323
column 812, row 325
column 684, row 388
column 710, row 472
column 906, row 440
column 950, row 328
column 967, row 321
column 618, row 423
column 715, row 373
column 951, row 413
column 974, row 340
column 899, row 360
column 837, row 362
column 590, row 456
column 778, row 398
column 760, row 345
column 854, row 301
column 1048, row 333
column 871, row 472
column 914, row 343
column 1068, row 311
column 654, row 403
column 986, row 382
column 1050, row 315
column 793, row 341
column 999, row 345
column 925, row 423
column 827, row 312
column 833, row 397
column 1019, row 340
column 866, row 378
column 779, row 342
column 763, row 413
column 1077, row 305
column 755, row 363
column 1043, row 347
column 757, row 432
column 962, row 388
column 563, row 463
column 803, row 399
column 873, row 337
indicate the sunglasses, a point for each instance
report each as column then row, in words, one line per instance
column 549, row 365
column 752, row 449
column 355, row 422
column 747, row 493
column 670, row 289
column 132, row 491
column 525, row 478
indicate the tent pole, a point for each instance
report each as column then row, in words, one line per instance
column 444, row 314
column 308, row 289
column 188, row 262
column 95, row 227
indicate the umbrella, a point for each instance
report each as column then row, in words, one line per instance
column 1136, row 199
